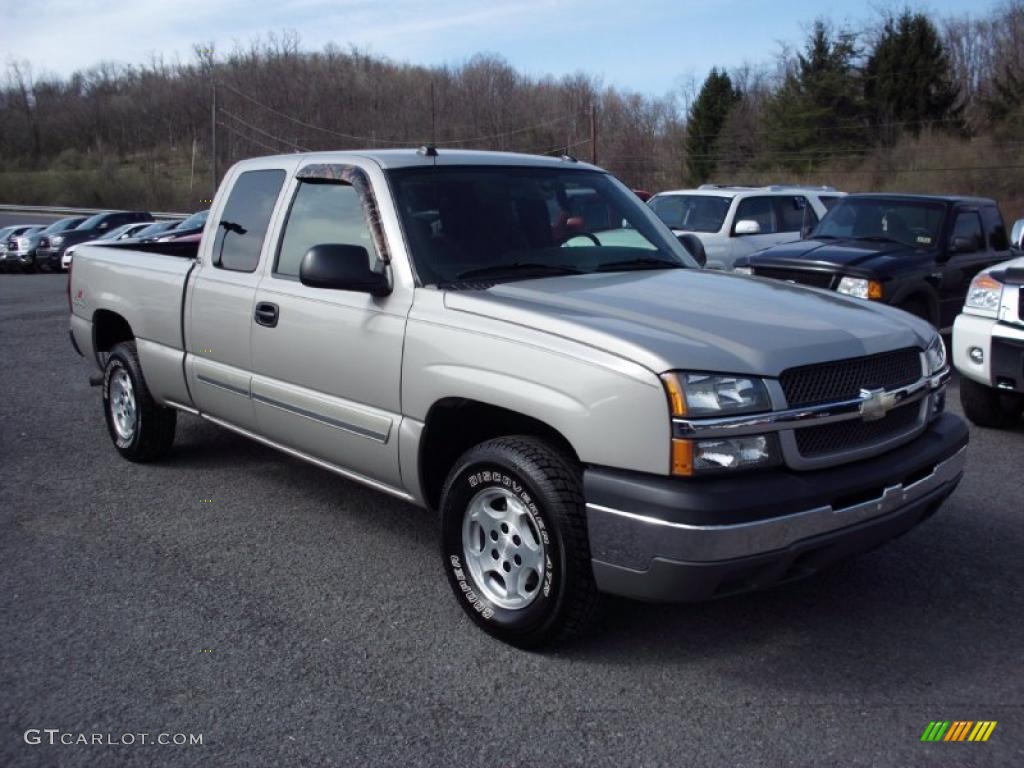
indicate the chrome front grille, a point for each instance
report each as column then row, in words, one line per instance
column 850, row 435
column 800, row 276
column 844, row 379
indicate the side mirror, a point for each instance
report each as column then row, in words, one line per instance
column 1017, row 234
column 747, row 227
column 342, row 267
column 961, row 245
column 694, row 247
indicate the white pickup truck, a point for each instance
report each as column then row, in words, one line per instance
column 521, row 344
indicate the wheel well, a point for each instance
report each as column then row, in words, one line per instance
column 455, row 425
column 930, row 303
column 108, row 329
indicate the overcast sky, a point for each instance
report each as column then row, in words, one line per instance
column 646, row 45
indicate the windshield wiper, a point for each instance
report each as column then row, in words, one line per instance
column 519, row 269
column 644, row 262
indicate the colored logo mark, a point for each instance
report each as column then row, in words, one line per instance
column 958, row 730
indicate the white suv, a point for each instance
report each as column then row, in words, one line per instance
column 736, row 221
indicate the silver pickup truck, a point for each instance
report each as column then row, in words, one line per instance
column 521, row 344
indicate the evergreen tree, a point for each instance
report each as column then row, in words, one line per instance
column 819, row 109
column 909, row 80
column 707, row 116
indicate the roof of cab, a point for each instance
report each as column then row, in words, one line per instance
column 412, row 158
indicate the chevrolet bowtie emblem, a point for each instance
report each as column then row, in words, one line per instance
column 875, row 403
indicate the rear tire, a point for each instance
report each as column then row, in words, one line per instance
column 141, row 429
column 987, row 406
column 514, row 539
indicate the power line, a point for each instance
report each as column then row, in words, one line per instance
column 235, row 131
column 262, row 132
column 375, row 140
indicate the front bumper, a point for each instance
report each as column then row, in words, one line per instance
column 664, row 539
column 1002, row 346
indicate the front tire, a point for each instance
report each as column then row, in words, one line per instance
column 514, row 539
column 141, row 429
column 987, row 406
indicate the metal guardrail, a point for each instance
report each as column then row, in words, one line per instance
column 57, row 210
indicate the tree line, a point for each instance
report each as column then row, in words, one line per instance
column 911, row 100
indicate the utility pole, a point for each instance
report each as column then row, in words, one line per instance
column 213, row 138
column 593, row 134
column 192, row 172
column 433, row 114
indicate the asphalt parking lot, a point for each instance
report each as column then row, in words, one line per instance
column 294, row 618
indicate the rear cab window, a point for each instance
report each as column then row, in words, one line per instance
column 245, row 219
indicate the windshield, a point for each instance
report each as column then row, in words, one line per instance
column 117, row 232
column 155, row 228
column 62, row 224
column 512, row 223
column 694, row 213
column 195, row 221
column 911, row 222
column 93, row 221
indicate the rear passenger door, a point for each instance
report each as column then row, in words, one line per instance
column 327, row 372
column 220, row 306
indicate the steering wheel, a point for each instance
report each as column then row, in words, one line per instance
column 580, row 234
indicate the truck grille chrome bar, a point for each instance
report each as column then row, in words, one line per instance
column 797, row 418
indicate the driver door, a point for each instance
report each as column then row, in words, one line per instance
column 327, row 362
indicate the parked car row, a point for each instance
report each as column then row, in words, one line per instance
column 49, row 248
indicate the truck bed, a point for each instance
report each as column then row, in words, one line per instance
column 145, row 284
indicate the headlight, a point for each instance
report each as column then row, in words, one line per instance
column 985, row 294
column 936, row 354
column 57, row 239
column 743, row 270
column 735, row 453
column 860, row 287
column 697, row 395
column 705, row 394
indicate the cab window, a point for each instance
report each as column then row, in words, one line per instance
column 995, row 229
column 791, row 212
column 968, row 226
column 245, row 219
column 322, row 214
column 759, row 209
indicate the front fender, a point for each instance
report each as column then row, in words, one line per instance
column 611, row 413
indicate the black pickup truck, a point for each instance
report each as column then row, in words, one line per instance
column 916, row 252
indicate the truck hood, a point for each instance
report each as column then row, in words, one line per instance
column 860, row 254
column 697, row 320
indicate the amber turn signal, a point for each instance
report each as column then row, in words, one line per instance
column 674, row 392
column 682, row 457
